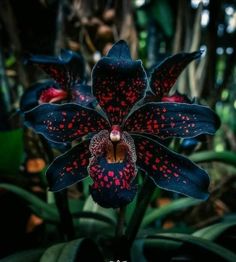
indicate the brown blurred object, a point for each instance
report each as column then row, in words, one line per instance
column 32, row 223
column 35, row 165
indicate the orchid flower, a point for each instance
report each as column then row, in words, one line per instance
column 117, row 141
column 67, row 84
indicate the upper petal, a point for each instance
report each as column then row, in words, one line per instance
column 169, row 170
column 64, row 123
column 173, row 119
column 69, row 168
column 118, row 82
column 165, row 75
column 67, row 68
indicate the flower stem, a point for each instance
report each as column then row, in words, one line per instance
column 144, row 197
column 120, row 222
column 61, row 200
column 65, row 215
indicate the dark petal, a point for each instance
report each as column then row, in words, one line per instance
column 113, row 197
column 81, row 94
column 165, row 75
column 118, row 82
column 169, row 170
column 120, row 50
column 173, row 119
column 69, row 168
column 64, row 123
column 178, row 98
column 31, row 96
column 113, row 182
column 112, row 169
column 67, row 68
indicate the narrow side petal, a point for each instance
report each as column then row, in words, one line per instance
column 165, row 75
column 69, row 168
column 173, row 120
column 64, row 123
column 67, row 68
column 169, row 170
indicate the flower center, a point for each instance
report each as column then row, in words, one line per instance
column 116, row 152
column 115, row 133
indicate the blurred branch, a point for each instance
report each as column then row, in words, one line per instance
column 8, row 19
column 179, row 28
column 210, row 77
column 194, row 87
column 60, row 27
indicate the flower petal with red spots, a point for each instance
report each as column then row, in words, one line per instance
column 169, row 170
column 113, row 170
column 165, row 75
column 173, row 120
column 67, row 68
column 69, row 168
column 113, row 182
column 64, row 123
column 118, row 82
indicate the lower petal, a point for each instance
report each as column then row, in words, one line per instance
column 169, row 170
column 69, row 168
column 113, row 197
column 113, row 182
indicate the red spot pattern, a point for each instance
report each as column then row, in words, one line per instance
column 118, row 85
column 159, row 161
column 111, row 175
column 63, row 123
column 69, row 168
column 171, row 119
column 165, row 75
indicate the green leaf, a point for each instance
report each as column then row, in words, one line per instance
column 214, row 231
column 24, row 256
column 207, row 156
column 53, row 253
column 130, row 209
column 39, row 206
column 75, row 250
column 11, row 153
column 201, row 243
column 98, row 224
column 163, row 211
column 161, row 11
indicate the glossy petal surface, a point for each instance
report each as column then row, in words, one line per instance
column 69, row 168
column 165, row 75
column 67, row 68
column 64, row 123
column 118, row 82
column 173, row 119
column 169, row 170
